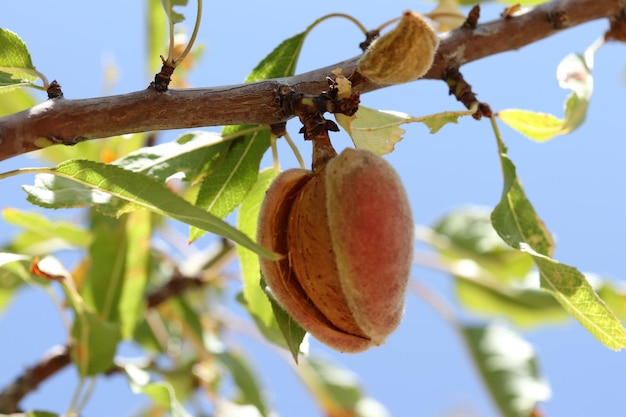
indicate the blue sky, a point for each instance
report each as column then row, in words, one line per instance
column 574, row 181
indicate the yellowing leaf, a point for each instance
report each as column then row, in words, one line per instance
column 573, row 73
column 536, row 126
column 374, row 130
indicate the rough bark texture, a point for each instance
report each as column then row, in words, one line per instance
column 71, row 121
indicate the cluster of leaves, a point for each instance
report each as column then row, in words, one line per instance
column 501, row 259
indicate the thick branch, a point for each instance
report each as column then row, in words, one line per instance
column 71, row 121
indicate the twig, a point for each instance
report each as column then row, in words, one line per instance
column 71, row 121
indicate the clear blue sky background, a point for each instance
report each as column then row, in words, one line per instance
column 575, row 182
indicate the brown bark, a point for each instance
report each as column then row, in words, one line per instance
column 70, row 121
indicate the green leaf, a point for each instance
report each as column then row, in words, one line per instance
column 254, row 298
column 13, row 274
column 132, row 302
column 467, row 234
column 375, row 130
column 281, row 62
column 573, row 73
column 514, row 217
column 106, row 273
column 45, row 229
column 95, row 342
column 36, row 413
column 15, row 100
column 249, row 388
column 571, row 289
column 291, row 330
column 337, row 390
column 105, row 180
column 156, row 28
column 540, row 127
column 515, row 220
column 168, row 6
column 508, row 365
column 188, row 155
column 226, row 187
column 15, row 63
column 162, row 393
column 524, row 306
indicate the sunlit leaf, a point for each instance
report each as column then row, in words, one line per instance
column 95, row 342
column 15, row 100
column 162, row 393
column 188, row 155
column 466, row 234
column 46, row 229
column 132, row 304
column 13, row 274
column 524, row 306
column 516, row 221
column 573, row 73
column 139, row 190
column 508, row 365
column 15, row 62
column 375, row 130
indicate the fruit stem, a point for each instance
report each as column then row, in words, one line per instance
column 323, row 151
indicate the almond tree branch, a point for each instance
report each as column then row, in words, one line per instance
column 71, row 121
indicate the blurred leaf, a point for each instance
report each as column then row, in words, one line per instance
column 106, row 273
column 156, row 27
column 337, row 390
column 249, row 388
column 447, row 15
column 95, row 342
column 15, row 62
column 375, row 130
column 36, row 413
column 46, row 229
column 13, row 274
column 467, row 234
column 508, row 365
column 161, row 393
column 132, row 302
column 225, row 188
column 573, row 73
column 15, row 100
column 254, row 298
column 187, row 315
column 523, row 306
column 614, row 297
column 168, row 6
column 188, row 155
column 102, row 150
column 515, row 220
column 105, row 180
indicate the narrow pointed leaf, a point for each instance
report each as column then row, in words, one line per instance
column 245, row 379
column 95, row 343
column 281, row 62
column 46, row 228
column 254, row 298
column 515, row 220
column 106, row 273
column 508, row 366
column 142, row 192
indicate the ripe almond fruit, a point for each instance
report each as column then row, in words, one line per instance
column 347, row 235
